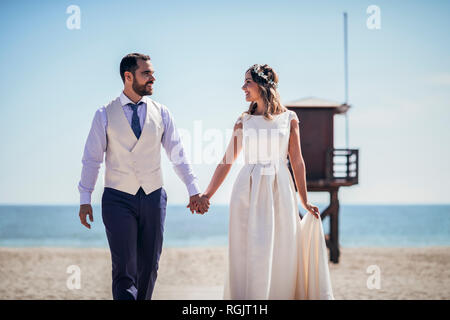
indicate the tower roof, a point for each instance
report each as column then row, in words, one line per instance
column 314, row 102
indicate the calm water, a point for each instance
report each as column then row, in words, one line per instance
column 359, row 225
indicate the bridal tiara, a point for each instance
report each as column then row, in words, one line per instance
column 262, row 75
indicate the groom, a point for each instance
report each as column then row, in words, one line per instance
column 130, row 130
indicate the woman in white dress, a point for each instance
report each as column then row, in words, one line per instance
column 273, row 254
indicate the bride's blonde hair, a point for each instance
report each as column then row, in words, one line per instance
column 268, row 90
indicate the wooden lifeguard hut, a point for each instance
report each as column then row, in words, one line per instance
column 327, row 168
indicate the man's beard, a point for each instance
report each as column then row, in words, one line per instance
column 140, row 89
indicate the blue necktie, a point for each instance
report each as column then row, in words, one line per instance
column 135, row 124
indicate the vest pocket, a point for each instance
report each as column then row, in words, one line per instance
column 118, row 171
column 152, row 171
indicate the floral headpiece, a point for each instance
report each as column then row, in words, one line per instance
column 262, row 75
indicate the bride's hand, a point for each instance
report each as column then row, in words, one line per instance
column 203, row 204
column 312, row 209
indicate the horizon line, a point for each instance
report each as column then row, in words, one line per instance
column 225, row 204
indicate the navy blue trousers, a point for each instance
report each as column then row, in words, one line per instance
column 134, row 227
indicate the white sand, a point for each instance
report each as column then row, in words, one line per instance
column 198, row 273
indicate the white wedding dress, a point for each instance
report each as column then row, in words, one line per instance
column 273, row 254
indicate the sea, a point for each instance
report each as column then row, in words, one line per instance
column 359, row 226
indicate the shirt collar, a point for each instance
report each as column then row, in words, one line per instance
column 124, row 100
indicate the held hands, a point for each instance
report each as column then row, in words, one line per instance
column 198, row 203
column 312, row 209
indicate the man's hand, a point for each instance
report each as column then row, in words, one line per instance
column 86, row 209
column 193, row 202
column 198, row 203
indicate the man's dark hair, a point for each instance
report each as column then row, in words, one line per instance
column 129, row 63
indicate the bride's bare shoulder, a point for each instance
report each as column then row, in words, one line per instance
column 239, row 122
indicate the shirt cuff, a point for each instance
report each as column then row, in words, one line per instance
column 85, row 198
column 193, row 189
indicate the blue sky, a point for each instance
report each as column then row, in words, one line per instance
column 54, row 79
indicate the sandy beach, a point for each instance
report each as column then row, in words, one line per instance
column 198, row 273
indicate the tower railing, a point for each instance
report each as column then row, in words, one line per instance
column 342, row 164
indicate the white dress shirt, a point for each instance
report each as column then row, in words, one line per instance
column 96, row 143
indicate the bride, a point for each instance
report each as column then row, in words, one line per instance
column 273, row 253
